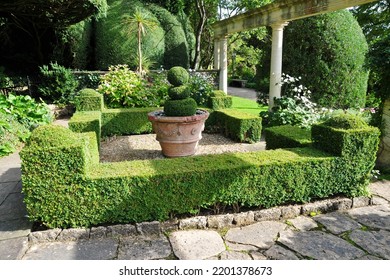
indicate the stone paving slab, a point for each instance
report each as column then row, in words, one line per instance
column 13, row 207
column 93, row 249
column 233, row 255
column 337, row 222
column 261, row 234
column 141, row 248
column 319, row 245
column 376, row 242
column 196, row 244
column 15, row 228
column 13, row 249
column 381, row 188
column 303, row 223
column 372, row 216
column 277, row 252
column 12, row 174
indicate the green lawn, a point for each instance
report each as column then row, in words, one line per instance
column 248, row 106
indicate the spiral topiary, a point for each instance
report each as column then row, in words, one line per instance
column 178, row 76
column 180, row 104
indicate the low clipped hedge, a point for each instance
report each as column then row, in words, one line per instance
column 287, row 136
column 126, row 121
column 89, row 100
column 86, row 122
column 65, row 185
column 239, row 126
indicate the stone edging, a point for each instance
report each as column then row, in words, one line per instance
column 199, row 222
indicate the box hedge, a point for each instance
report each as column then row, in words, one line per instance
column 65, row 185
column 287, row 136
column 239, row 126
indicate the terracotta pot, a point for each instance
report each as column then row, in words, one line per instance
column 178, row 136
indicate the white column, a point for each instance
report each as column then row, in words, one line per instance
column 216, row 54
column 223, row 75
column 276, row 62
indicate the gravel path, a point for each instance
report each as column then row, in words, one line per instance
column 122, row 148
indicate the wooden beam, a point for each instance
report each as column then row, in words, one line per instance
column 280, row 11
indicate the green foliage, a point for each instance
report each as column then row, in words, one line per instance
column 126, row 121
column 220, row 102
column 122, row 88
column 180, row 107
column 12, row 134
column 292, row 111
column 5, row 81
column 180, row 92
column 201, row 87
column 328, row 51
column 89, row 100
column 239, row 126
column 79, row 37
column 87, row 121
column 115, row 46
column 178, row 76
column 176, row 51
column 287, row 136
column 69, row 188
column 346, row 121
column 58, row 85
column 25, row 110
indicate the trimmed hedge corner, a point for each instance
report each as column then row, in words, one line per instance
column 89, row 100
column 239, row 126
column 287, row 136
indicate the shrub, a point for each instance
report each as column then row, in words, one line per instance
column 122, row 88
column 201, row 87
column 328, row 51
column 287, row 136
column 239, row 126
column 176, row 51
column 178, row 76
column 180, row 107
column 25, row 110
column 115, row 46
column 58, row 85
column 12, row 134
column 89, row 100
column 180, row 92
column 69, row 188
column 346, row 121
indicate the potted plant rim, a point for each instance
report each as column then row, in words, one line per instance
column 179, row 125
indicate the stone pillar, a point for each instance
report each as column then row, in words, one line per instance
column 276, row 62
column 216, row 54
column 223, row 75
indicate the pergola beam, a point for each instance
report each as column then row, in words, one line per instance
column 280, row 11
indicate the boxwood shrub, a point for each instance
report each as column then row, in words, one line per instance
column 287, row 136
column 239, row 126
column 65, row 185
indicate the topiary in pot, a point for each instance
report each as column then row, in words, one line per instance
column 179, row 126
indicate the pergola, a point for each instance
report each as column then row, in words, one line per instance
column 277, row 15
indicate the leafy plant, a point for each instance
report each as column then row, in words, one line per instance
column 123, row 88
column 294, row 107
column 25, row 110
column 201, row 87
column 58, row 84
column 12, row 134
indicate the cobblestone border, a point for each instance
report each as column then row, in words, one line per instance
column 199, row 222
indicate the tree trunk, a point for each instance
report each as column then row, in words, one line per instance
column 200, row 7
